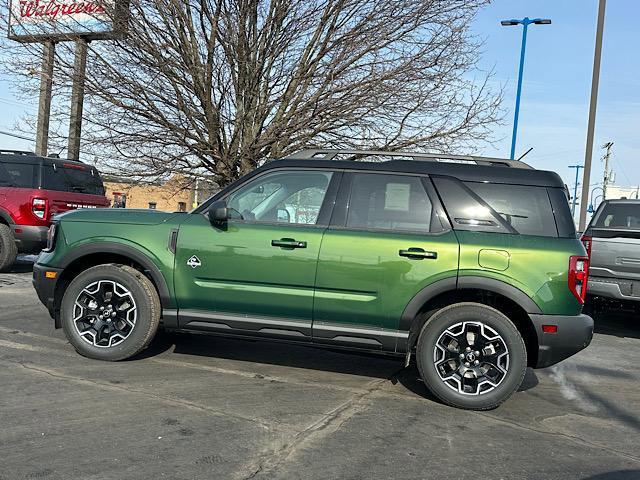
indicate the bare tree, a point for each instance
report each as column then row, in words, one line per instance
column 220, row 85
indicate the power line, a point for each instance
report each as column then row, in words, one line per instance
column 9, row 134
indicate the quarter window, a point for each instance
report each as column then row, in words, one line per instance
column 293, row 197
column 390, row 202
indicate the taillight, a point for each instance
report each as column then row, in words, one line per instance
column 39, row 207
column 51, row 237
column 587, row 241
column 578, row 276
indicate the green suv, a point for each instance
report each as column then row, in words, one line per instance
column 471, row 264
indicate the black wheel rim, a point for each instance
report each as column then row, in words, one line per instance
column 104, row 314
column 471, row 358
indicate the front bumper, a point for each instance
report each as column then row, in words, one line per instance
column 30, row 239
column 615, row 288
column 46, row 287
column 574, row 334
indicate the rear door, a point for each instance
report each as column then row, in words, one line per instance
column 388, row 239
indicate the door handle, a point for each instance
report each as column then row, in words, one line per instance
column 418, row 254
column 288, row 243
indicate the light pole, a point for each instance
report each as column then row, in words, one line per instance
column 575, row 189
column 525, row 22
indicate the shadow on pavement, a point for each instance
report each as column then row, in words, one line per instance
column 24, row 264
column 619, row 324
column 616, row 475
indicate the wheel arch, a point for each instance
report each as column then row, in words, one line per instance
column 509, row 300
column 109, row 252
column 5, row 217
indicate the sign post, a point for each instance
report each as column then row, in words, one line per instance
column 51, row 21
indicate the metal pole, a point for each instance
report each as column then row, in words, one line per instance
column 519, row 91
column 44, row 103
column 575, row 189
column 605, row 180
column 77, row 99
column 595, row 80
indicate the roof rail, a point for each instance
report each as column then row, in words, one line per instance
column 16, row 152
column 331, row 154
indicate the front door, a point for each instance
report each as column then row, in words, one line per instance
column 256, row 274
column 387, row 241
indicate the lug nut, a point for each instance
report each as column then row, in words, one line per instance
column 468, row 349
column 476, row 362
column 476, row 353
column 101, row 308
column 462, row 355
column 113, row 314
column 467, row 364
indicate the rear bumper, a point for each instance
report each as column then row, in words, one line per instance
column 617, row 288
column 30, row 239
column 574, row 334
column 45, row 287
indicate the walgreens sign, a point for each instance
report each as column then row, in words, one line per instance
column 33, row 20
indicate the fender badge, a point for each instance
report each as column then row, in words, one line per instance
column 194, row 262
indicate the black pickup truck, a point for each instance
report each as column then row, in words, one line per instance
column 612, row 240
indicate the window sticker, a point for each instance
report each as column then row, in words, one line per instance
column 397, row 197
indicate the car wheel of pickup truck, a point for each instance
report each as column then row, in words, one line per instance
column 471, row 356
column 8, row 250
column 110, row 312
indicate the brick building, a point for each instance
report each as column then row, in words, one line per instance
column 177, row 194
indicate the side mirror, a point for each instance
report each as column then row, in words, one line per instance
column 218, row 213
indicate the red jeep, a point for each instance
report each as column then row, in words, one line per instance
column 32, row 190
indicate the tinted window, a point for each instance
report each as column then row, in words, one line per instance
column 66, row 179
column 283, row 196
column 390, row 202
column 526, row 209
column 619, row 215
column 491, row 207
column 17, row 175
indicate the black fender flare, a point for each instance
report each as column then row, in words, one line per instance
column 461, row 283
column 4, row 215
column 125, row 251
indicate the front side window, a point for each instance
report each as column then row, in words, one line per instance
column 390, row 202
column 293, row 197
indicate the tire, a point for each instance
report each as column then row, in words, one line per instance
column 127, row 318
column 501, row 363
column 8, row 249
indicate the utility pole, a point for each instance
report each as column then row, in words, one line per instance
column 595, row 80
column 607, row 173
column 77, row 99
column 44, row 103
column 574, row 200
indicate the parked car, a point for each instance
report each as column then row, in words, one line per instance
column 32, row 190
column 612, row 240
column 472, row 264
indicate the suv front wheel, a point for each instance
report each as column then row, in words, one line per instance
column 471, row 356
column 110, row 312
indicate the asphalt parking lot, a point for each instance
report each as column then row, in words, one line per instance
column 201, row 407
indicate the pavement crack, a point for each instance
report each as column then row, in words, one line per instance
column 169, row 400
column 330, row 423
column 571, row 438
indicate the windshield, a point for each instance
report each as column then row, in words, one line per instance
column 72, row 178
column 14, row 174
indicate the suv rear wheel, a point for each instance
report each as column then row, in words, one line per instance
column 8, row 249
column 110, row 312
column 471, row 356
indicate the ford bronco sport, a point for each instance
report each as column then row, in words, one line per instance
column 32, row 190
column 471, row 264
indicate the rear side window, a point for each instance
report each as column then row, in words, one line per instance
column 619, row 215
column 390, row 202
column 72, row 179
column 20, row 175
column 500, row 208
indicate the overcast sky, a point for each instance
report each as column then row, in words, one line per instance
column 555, row 97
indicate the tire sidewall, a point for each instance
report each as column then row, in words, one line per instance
column 8, row 250
column 138, row 337
column 450, row 316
